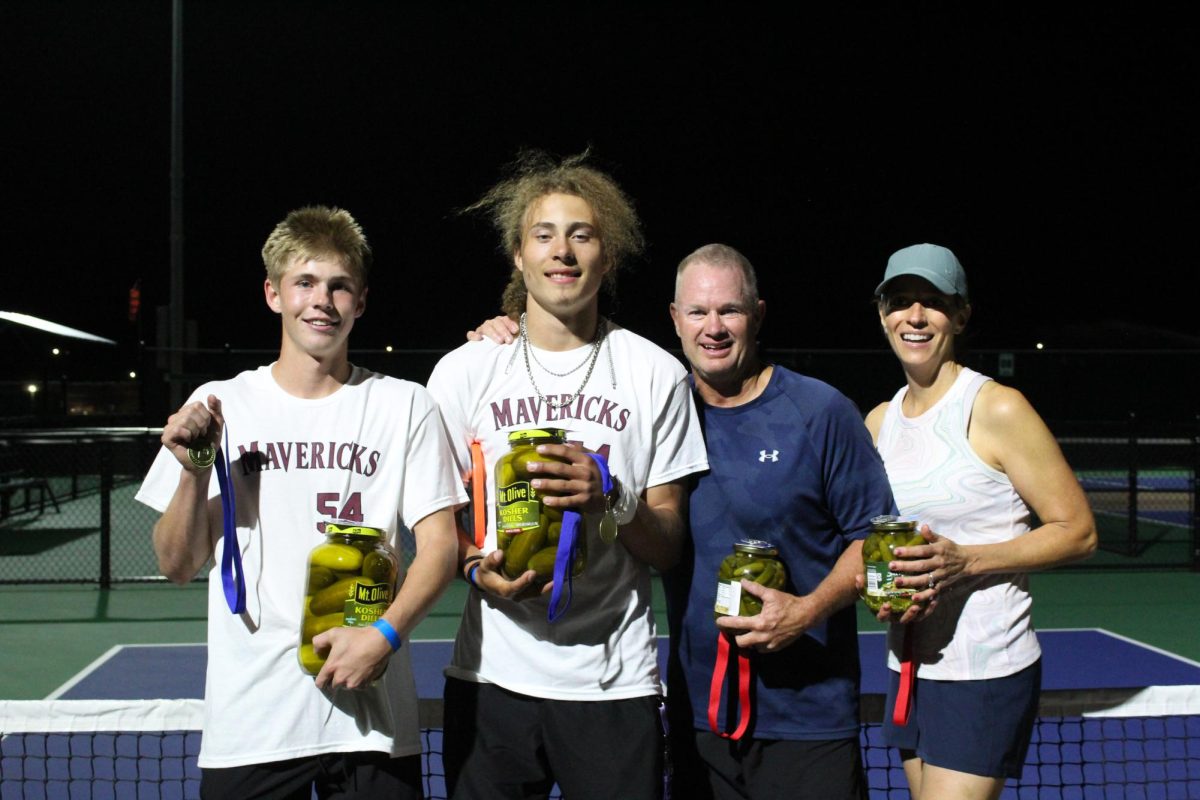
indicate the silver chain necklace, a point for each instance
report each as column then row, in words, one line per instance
column 571, row 371
column 597, row 342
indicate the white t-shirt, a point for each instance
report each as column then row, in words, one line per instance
column 981, row 629
column 374, row 452
column 604, row 646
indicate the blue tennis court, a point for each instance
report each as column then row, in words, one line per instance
column 1072, row 660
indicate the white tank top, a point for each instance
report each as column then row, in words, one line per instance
column 982, row 628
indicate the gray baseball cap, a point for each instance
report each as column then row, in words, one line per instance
column 932, row 262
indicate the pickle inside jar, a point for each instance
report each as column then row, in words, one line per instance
column 878, row 550
column 378, row 568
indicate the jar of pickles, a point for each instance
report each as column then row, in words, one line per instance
column 887, row 533
column 351, row 580
column 526, row 529
column 753, row 560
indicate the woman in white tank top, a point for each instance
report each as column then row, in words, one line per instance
column 970, row 459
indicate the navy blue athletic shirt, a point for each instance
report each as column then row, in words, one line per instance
column 796, row 467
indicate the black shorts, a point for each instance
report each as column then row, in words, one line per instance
column 980, row 727
column 346, row 776
column 766, row 769
column 500, row 744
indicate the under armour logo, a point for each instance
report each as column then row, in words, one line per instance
column 764, row 456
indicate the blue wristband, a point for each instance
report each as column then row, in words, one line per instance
column 389, row 633
column 471, row 576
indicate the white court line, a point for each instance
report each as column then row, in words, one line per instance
column 83, row 673
column 1149, row 647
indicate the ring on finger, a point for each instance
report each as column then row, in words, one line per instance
column 932, row 582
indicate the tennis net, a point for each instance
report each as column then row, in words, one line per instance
column 1135, row 743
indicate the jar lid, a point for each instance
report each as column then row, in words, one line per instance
column 755, row 547
column 353, row 530
column 537, row 433
column 890, row 522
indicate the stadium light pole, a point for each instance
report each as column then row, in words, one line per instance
column 175, row 312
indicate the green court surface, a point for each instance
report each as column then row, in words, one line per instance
column 48, row 633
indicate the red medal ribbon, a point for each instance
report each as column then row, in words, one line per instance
column 908, row 674
column 478, row 485
column 720, row 669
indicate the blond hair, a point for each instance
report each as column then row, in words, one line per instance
column 317, row 232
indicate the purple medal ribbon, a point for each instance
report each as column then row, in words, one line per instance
column 232, row 577
column 568, row 545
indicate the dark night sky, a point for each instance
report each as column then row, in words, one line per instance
column 1054, row 151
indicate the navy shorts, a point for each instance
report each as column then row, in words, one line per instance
column 979, row 727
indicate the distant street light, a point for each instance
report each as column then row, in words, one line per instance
column 51, row 327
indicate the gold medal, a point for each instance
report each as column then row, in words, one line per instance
column 202, row 455
column 608, row 523
column 608, row 527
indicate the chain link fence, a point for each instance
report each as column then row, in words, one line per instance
column 1143, row 489
column 67, row 513
column 67, row 507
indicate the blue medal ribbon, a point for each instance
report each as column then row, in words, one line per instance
column 564, row 561
column 568, row 546
column 232, row 577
